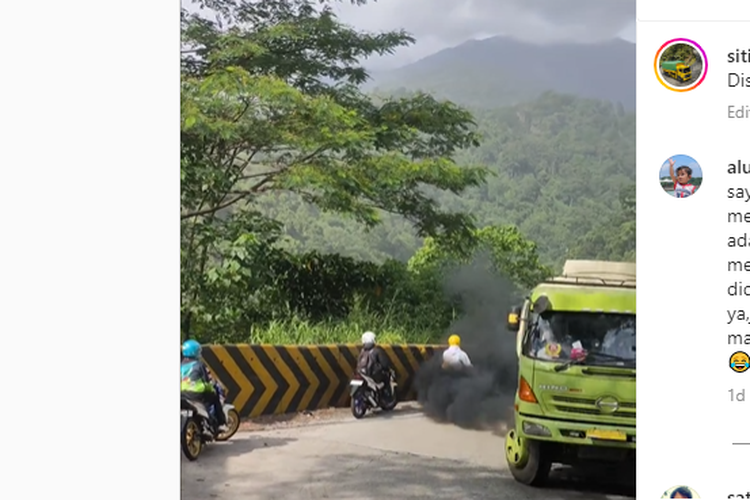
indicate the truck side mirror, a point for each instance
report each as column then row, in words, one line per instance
column 514, row 318
column 542, row 305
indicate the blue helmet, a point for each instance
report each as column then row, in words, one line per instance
column 191, row 349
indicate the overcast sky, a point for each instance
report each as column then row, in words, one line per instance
column 439, row 24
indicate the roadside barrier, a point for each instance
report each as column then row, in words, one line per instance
column 275, row 379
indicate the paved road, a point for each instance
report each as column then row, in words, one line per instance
column 400, row 456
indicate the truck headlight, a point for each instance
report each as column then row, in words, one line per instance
column 533, row 429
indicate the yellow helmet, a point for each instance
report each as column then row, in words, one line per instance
column 454, row 340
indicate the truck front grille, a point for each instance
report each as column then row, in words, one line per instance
column 587, row 406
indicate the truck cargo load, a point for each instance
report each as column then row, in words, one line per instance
column 672, row 65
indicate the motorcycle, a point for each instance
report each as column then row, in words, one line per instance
column 366, row 395
column 199, row 427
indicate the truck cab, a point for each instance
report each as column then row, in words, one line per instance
column 575, row 400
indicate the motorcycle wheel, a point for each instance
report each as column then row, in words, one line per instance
column 358, row 406
column 233, row 425
column 388, row 404
column 190, row 440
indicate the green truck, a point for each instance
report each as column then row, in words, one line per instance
column 575, row 341
column 679, row 70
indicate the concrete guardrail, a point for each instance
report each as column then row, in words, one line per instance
column 276, row 379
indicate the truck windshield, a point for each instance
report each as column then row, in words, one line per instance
column 607, row 339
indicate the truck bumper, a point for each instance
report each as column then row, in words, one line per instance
column 574, row 433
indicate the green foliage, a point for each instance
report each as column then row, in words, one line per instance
column 258, row 118
column 613, row 239
column 295, row 331
column 511, row 255
column 305, row 201
column 257, row 290
column 557, row 164
column 678, row 52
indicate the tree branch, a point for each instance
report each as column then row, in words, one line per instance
column 215, row 208
column 260, row 186
column 261, row 174
column 309, row 157
column 257, row 187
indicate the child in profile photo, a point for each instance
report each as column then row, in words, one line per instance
column 680, row 492
column 682, row 189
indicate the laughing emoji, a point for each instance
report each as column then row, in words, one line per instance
column 739, row 362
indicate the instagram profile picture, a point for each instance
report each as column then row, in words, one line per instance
column 680, row 176
column 680, row 65
column 680, row 492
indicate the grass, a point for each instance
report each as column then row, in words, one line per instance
column 392, row 326
column 295, row 331
column 301, row 333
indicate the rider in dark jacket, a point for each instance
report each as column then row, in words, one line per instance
column 374, row 362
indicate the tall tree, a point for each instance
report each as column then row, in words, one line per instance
column 270, row 103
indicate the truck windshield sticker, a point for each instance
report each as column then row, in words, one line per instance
column 553, row 350
column 604, row 339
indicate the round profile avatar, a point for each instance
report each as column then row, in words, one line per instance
column 680, row 176
column 680, row 492
column 680, row 65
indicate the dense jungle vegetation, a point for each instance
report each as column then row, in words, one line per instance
column 311, row 210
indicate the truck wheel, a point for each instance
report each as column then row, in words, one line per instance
column 525, row 459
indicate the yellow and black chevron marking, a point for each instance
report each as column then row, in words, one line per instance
column 271, row 379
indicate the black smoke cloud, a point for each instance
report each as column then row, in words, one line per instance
column 482, row 398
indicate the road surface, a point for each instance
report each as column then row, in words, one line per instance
column 399, row 456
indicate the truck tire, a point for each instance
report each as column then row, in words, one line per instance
column 526, row 460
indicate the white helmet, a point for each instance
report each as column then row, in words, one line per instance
column 368, row 338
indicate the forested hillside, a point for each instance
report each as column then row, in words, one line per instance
column 312, row 210
column 559, row 164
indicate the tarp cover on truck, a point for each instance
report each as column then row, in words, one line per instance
column 591, row 286
column 671, row 65
column 577, row 298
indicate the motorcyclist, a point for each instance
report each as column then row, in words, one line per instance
column 197, row 382
column 454, row 357
column 374, row 363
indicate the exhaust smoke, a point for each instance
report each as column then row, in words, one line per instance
column 482, row 398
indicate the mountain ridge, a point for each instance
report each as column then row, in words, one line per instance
column 501, row 71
